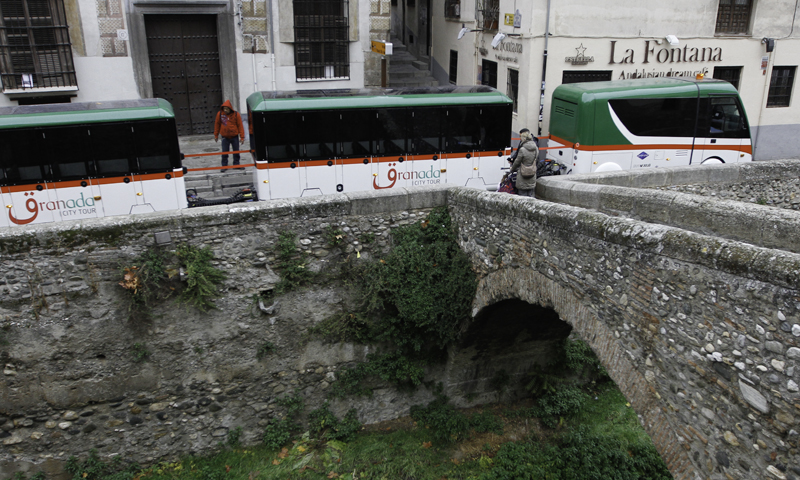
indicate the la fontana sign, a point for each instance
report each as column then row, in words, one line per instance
column 654, row 53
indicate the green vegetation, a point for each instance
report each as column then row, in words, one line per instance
column 150, row 279
column 202, row 278
column 93, row 468
column 140, row 352
column 264, row 350
column 291, row 264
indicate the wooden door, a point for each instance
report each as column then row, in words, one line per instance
column 184, row 64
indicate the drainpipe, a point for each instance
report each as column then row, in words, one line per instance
column 544, row 67
column 271, row 47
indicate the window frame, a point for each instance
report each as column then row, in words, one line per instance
column 512, row 88
column 729, row 17
column 787, row 79
column 489, row 15
column 727, row 74
column 452, row 9
column 321, row 41
column 453, row 73
column 42, row 45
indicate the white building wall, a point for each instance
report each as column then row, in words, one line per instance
column 634, row 27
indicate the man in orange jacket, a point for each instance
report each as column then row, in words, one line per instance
column 228, row 124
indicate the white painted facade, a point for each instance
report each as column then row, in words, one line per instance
column 627, row 39
column 111, row 58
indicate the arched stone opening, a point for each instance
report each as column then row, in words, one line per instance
column 535, row 289
column 499, row 349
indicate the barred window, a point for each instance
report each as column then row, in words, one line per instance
column 489, row 14
column 729, row 74
column 452, row 8
column 780, row 86
column 733, row 16
column 453, row 66
column 321, row 39
column 512, row 88
column 35, row 50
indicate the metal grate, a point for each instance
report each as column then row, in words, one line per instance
column 35, row 50
column 453, row 66
column 780, row 86
column 733, row 16
column 729, row 74
column 321, row 47
column 488, row 14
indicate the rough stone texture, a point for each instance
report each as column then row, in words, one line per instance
column 744, row 208
column 700, row 333
column 692, row 328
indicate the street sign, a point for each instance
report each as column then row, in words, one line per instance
column 384, row 48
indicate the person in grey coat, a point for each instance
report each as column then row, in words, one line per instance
column 527, row 155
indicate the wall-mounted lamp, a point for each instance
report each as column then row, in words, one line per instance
column 464, row 31
column 672, row 39
column 769, row 42
column 497, row 39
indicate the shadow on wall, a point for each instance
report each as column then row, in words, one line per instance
column 501, row 346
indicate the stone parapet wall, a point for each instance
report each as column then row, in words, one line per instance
column 71, row 380
column 700, row 333
column 665, row 196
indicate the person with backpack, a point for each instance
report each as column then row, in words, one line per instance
column 525, row 161
column 228, row 124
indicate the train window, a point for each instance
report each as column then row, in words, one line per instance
column 154, row 142
column 493, row 126
column 321, row 134
column 657, row 117
column 354, row 131
column 721, row 117
column 67, row 152
column 111, row 147
column 425, row 127
column 24, row 158
column 282, row 136
column 462, row 129
column 389, row 131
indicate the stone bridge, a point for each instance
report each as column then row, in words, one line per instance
column 683, row 281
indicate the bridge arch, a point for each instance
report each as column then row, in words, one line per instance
column 537, row 289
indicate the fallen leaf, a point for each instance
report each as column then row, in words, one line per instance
column 227, row 468
column 427, row 444
column 284, row 453
column 276, row 462
column 333, row 475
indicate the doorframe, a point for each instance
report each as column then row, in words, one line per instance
column 226, row 41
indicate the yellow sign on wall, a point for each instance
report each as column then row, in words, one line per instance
column 509, row 19
column 379, row 47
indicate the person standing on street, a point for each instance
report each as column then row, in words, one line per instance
column 228, row 124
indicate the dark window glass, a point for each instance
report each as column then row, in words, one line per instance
column 462, row 129
column 67, row 149
column 729, row 74
column 568, row 76
column 733, row 16
column 657, row 117
column 354, row 126
column 321, row 135
column 721, row 117
column 282, row 136
column 154, row 143
column 495, row 127
column 112, row 149
column 512, row 87
column 453, row 66
column 425, row 128
column 489, row 73
column 24, row 156
column 321, row 39
column 35, row 50
column 389, row 131
column 780, row 86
